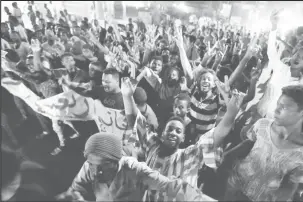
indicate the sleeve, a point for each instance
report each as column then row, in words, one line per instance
column 296, row 176
column 82, row 181
column 149, row 177
column 251, row 134
column 203, row 151
column 182, row 191
column 146, row 139
column 153, row 79
column 152, row 118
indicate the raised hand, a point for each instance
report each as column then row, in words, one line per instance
column 183, row 84
column 128, row 87
column 253, row 49
column 35, row 45
column 224, row 89
column 234, row 104
column 256, row 72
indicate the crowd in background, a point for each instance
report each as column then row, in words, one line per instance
column 216, row 111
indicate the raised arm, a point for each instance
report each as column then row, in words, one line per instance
column 184, row 60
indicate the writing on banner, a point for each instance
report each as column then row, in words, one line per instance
column 71, row 106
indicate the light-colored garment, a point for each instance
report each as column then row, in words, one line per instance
column 5, row 44
column 184, row 163
column 265, row 165
column 17, row 12
column 128, row 184
column 23, row 50
column 280, row 78
column 151, row 117
column 21, row 32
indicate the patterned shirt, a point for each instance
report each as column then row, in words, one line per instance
column 132, row 176
column 184, row 163
column 265, row 165
column 204, row 113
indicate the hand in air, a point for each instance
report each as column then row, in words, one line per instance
column 35, row 45
column 128, row 86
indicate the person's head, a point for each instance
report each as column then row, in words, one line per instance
column 30, row 8
column 62, row 13
column 95, row 70
column 140, row 98
column 296, row 62
column 110, row 80
column 181, row 105
column 174, row 58
column 76, row 31
column 14, row 4
column 15, row 37
column 165, row 55
column 173, row 133
column 103, row 152
column 4, row 27
column 206, row 81
column 63, row 36
column 45, row 6
column 14, row 21
column 160, row 45
column 207, row 32
column 130, row 20
column 96, row 22
column 38, row 14
column 173, row 76
column 6, row 10
column 50, row 35
column 87, row 51
column 65, row 11
column 192, row 39
column 299, row 33
column 156, row 64
column 289, row 109
column 10, row 172
column 68, row 62
column 30, row 63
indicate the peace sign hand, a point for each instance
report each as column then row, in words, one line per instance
column 224, row 89
column 235, row 102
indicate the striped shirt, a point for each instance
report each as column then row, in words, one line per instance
column 204, row 113
column 184, row 163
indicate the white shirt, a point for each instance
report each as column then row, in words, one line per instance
column 281, row 77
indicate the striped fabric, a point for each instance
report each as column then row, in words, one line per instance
column 184, row 163
column 204, row 114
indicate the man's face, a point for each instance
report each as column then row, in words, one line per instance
column 77, row 31
column 4, row 28
column 174, row 59
column 30, row 65
column 87, row 53
column 296, row 62
column 173, row 78
column 96, row 23
column 69, row 63
column 102, row 169
column 207, row 82
column 156, row 66
column 173, row 134
column 64, row 37
column 160, row 46
column 287, row 112
column 180, row 108
column 94, row 72
column 110, row 83
column 15, row 37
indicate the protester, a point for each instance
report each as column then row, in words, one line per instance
column 189, row 100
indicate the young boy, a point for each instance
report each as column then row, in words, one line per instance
column 140, row 98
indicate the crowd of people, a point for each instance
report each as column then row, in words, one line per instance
column 212, row 112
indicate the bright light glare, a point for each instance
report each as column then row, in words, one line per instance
column 289, row 20
column 183, row 7
column 136, row 4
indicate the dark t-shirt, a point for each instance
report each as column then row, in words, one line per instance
column 110, row 100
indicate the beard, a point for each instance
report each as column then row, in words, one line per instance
column 107, row 175
column 172, row 82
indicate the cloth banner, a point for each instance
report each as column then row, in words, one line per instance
column 70, row 106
